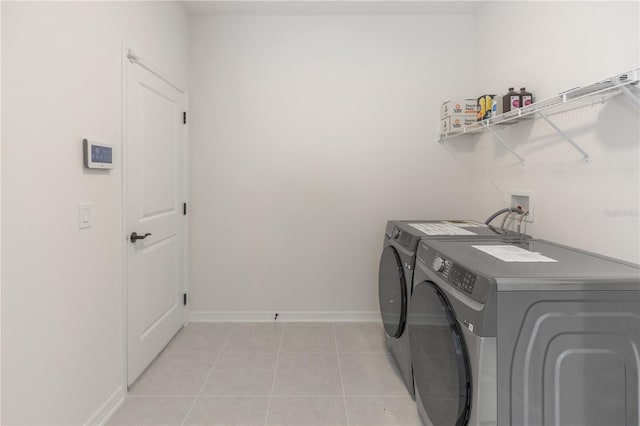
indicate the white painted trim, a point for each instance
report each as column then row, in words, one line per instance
column 127, row 50
column 107, row 409
column 285, row 316
column 135, row 58
column 0, row 221
column 186, row 167
column 124, row 226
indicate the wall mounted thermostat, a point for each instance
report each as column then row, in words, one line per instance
column 97, row 155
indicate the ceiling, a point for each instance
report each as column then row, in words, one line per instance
column 329, row 7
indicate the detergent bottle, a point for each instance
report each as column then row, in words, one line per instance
column 511, row 100
column 526, row 98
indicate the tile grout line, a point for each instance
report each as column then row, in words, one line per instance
column 234, row 328
column 193, row 404
column 297, row 353
column 273, row 381
column 267, row 396
column 344, row 392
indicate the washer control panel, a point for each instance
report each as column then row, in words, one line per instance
column 439, row 264
column 456, row 275
column 462, row 279
column 405, row 239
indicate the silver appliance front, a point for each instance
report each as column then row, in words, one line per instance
column 441, row 366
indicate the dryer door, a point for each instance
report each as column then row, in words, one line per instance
column 439, row 358
column 392, row 292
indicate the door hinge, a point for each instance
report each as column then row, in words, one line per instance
column 184, row 117
column 184, row 208
column 184, row 299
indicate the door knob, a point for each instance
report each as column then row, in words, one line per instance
column 135, row 237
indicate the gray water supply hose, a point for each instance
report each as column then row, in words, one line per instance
column 502, row 211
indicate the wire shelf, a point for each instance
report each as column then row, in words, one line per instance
column 608, row 87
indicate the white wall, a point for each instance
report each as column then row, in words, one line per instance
column 0, row 215
column 61, row 287
column 308, row 133
column 551, row 47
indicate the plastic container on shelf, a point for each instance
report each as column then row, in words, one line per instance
column 485, row 107
column 511, row 100
column 526, row 98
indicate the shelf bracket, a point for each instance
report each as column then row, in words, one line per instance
column 564, row 135
column 506, row 145
column 627, row 92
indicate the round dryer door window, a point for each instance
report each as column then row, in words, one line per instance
column 392, row 292
column 439, row 358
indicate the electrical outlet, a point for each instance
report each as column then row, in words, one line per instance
column 524, row 201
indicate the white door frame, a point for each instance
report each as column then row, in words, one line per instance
column 129, row 57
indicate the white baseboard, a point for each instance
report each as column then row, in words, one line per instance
column 285, row 316
column 107, row 409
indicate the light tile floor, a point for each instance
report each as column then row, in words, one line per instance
column 272, row 374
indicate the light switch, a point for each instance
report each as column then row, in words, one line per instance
column 84, row 215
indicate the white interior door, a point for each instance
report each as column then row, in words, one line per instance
column 154, row 198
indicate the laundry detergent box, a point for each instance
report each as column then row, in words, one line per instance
column 455, row 123
column 459, row 106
